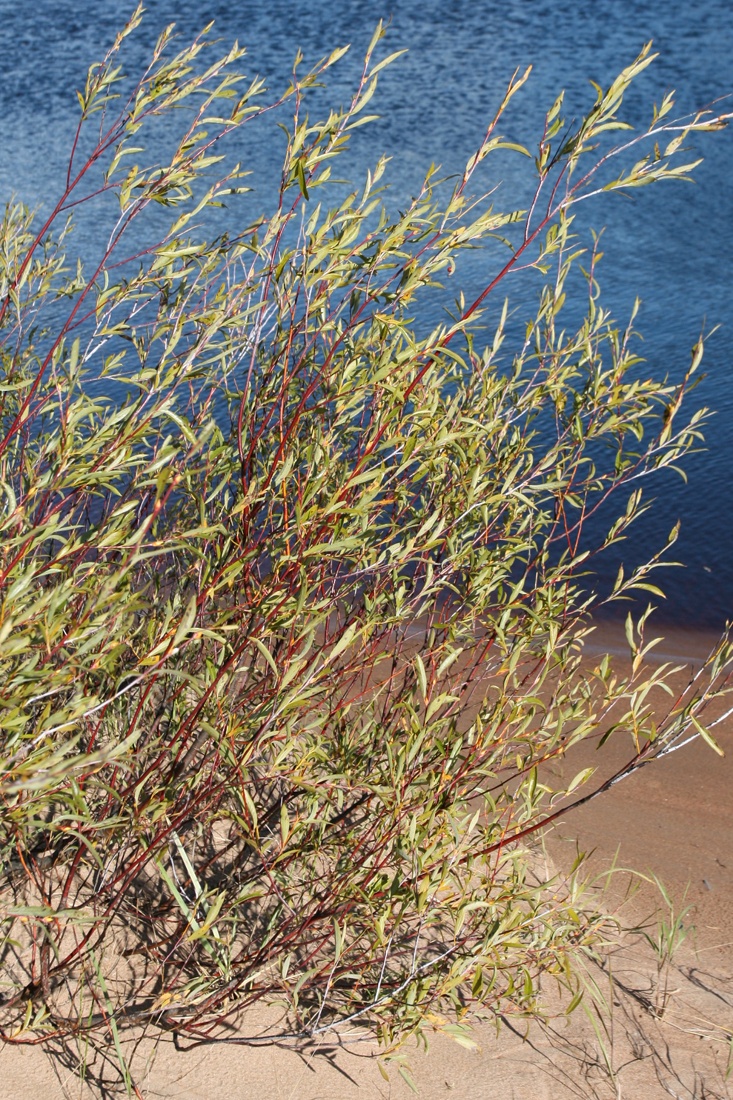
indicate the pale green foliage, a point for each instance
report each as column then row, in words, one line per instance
column 293, row 600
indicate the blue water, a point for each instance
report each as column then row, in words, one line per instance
column 673, row 245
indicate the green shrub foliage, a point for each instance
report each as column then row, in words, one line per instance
column 293, row 588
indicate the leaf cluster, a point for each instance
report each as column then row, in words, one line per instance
column 293, row 592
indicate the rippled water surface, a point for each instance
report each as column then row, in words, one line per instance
column 673, row 245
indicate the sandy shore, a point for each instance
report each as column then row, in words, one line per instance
column 667, row 1018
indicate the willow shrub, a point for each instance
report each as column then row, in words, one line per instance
column 293, row 593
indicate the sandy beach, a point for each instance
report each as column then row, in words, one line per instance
column 668, row 1018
